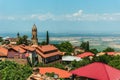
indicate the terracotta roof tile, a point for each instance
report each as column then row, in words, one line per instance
column 40, row 53
column 98, row 71
column 50, row 49
column 47, row 48
column 27, row 48
column 49, row 54
column 111, row 53
column 18, row 48
column 85, row 54
column 3, row 51
column 60, row 72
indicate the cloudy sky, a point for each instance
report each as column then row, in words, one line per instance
column 60, row 16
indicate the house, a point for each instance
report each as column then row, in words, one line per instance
column 58, row 72
column 16, row 52
column 78, row 50
column 12, row 41
column 13, row 53
column 3, row 53
column 48, row 53
column 19, row 53
column 70, row 58
column 97, row 71
column 31, row 54
column 44, row 53
column 117, row 54
column 85, row 54
column 111, row 53
column 37, row 76
column 108, row 53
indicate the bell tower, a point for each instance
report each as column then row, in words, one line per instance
column 34, row 35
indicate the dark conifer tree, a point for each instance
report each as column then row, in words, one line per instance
column 47, row 38
column 18, row 35
column 87, row 46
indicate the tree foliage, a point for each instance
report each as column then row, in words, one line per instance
column 13, row 71
column 5, row 42
column 66, row 47
column 77, row 64
column 95, row 51
column 59, row 65
column 104, row 59
column 1, row 39
column 50, row 74
column 108, row 49
column 43, row 43
column 47, row 38
column 18, row 35
column 85, row 45
column 115, row 62
column 22, row 40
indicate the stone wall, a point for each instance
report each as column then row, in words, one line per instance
column 19, row 61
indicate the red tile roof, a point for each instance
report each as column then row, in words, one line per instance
column 85, row 54
column 49, row 54
column 27, row 48
column 110, row 53
column 47, row 48
column 19, row 49
column 50, row 49
column 98, row 71
column 3, row 51
column 61, row 73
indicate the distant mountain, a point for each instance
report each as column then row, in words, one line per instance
column 43, row 34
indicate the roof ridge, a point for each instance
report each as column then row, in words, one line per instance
column 104, row 66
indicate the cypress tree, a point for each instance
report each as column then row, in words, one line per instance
column 18, row 35
column 87, row 46
column 47, row 38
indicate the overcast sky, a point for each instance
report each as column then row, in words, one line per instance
column 60, row 16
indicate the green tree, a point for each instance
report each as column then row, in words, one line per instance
column 108, row 49
column 104, row 58
column 77, row 64
column 43, row 43
column 25, row 37
column 115, row 63
column 66, row 47
column 47, row 38
column 59, row 65
column 20, row 41
column 95, row 51
column 50, row 74
column 85, row 45
column 1, row 39
column 18, row 35
column 13, row 71
column 23, row 40
column 6, row 42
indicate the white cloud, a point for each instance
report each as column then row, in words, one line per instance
column 44, row 17
column 79, row 13
column 41, row 17
column 7, row 18
column 11, row 18
column 33, row 15
column 77, row 16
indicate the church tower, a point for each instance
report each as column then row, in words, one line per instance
column 34, row 35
